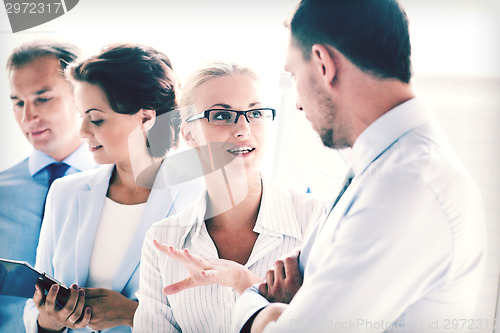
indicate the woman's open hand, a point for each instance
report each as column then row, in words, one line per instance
column 205, row 271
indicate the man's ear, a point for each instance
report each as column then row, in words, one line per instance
column 326, row 63
column 148, row 118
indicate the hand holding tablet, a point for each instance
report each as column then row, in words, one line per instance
column 18, row 278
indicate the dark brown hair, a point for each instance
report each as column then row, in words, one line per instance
column 136, row 77
column 373, row 34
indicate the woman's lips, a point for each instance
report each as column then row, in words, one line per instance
column 241, row 150
column 93, row 148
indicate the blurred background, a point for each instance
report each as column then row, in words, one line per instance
column 456, row 64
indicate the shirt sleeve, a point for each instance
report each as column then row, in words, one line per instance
column 386, row 265
column 247, row 305
column 154, row 313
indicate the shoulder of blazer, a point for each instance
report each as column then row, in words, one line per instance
column 21, row 167
column 85, row 180
column 16, row 174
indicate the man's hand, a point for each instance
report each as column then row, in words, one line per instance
column 54, row 318
column 109, row 308
column 282, row 282
column 205, row 271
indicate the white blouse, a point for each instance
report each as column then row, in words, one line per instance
column 114, row 233
column 282, row 220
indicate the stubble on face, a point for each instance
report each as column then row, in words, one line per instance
column 323, row 113
column 333, row 131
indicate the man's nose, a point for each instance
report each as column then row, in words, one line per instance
column 29, row 112
column 298, row 105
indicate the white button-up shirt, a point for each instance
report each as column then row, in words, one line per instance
column 404, row 247
column 282, row 220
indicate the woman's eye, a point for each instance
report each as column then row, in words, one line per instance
column 222, row 116
column 97, row 122
column 256, row 114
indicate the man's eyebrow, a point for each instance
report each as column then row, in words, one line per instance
column 42, row 91
column 93, row 109
column 39, row 92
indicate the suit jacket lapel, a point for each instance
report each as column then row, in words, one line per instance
column 90, row 204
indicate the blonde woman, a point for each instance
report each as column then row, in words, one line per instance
column 242, row 224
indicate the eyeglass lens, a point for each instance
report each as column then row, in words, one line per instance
column 225, row 117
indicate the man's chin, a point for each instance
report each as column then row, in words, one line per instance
column 45, row 146
column 326, row 136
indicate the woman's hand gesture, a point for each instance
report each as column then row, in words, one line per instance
column 205, row 271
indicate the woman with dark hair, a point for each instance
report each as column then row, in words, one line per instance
column 95, row 222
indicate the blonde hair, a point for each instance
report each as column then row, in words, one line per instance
column 210, row 71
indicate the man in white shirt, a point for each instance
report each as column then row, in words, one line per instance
column 403, row 247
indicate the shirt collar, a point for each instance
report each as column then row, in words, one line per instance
column 37, row 161
column 386, row 130
column 193, row 218
column 276, row 214
column 80, row 160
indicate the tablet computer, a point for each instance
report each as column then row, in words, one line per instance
column 18, row 278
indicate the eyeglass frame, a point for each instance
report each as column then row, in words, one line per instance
column 206, row 113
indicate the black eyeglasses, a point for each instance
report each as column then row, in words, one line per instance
column 227, row 116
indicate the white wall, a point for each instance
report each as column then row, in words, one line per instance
column 456, row 59
column 189, row 32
